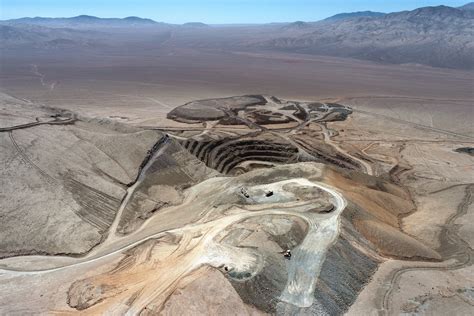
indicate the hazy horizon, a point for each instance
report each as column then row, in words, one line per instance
column 208, row 11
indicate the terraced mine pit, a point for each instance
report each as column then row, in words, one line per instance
column 266, row 131
column 253, row 197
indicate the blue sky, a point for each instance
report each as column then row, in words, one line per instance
column 208, row 11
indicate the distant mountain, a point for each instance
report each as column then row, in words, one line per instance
column 45, row 37
column 352, row 15
column 429, row 15
column 136, row 19
column 85, row 21
column 467, row 6
column 297, row 25
column 9, row 34
column 438, row 36
column 195, row 24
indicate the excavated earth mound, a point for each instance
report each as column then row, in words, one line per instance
column 368, row 229
column 62, row 184
column 213, row 109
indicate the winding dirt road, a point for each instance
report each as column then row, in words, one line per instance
column 198, row 245
column 462, row 258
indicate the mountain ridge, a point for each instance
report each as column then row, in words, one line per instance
column 467, row 6
column 438, row 36
column 350, row 15
column 340, row 16
column 83, row 20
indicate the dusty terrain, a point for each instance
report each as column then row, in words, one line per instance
column 152, row 218
column 141, row 88
column 165, row 177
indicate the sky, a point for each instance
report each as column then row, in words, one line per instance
column 209, row 11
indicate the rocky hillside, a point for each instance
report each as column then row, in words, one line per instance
column 437, row 36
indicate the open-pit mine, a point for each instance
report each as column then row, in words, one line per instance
column 243, row 205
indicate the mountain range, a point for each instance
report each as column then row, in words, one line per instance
column 351, row 15
column 84, row 21
column 438, row 36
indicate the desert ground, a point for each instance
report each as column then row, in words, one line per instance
column 135, row 84
column 173, row 183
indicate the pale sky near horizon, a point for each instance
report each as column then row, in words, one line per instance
column 209, row 11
